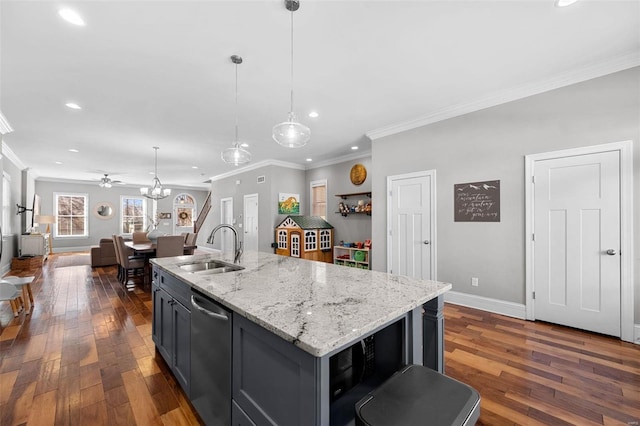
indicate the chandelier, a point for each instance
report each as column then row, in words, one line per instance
column 156, row 191
column 236, row 155
column 291, row 133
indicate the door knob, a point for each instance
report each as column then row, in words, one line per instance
column 426, row 242
column 611, row 252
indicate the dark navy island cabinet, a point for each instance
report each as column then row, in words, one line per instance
column 172, row 325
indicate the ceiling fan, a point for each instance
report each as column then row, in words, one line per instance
column 107, row 182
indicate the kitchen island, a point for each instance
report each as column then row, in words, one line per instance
column 308, row 338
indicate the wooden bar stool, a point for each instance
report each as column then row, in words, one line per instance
column 418, row 395
column 12, row 294
column 23, row 283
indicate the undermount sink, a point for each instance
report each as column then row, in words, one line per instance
column 210, row 267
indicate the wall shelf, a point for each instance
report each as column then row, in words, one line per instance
column 354, row 194
column 346, row 210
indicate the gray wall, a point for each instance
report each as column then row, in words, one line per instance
column 277, row 179
column 356, row 227
column 491, row 144
column 100, row 228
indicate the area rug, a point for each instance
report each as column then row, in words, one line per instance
column 73, row 260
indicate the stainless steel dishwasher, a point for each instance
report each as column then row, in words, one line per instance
column 210, row 360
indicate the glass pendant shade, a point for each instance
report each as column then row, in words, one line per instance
column 291, row 133
column 236, row 155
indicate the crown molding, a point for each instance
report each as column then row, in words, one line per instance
column 5, row 127
column 257, row 165
column 589, row 72
column 343, row 159
column 7, row 152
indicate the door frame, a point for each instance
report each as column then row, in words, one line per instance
column 244, row 217
column 432, row 223
column 222, row 203
column 625, row 149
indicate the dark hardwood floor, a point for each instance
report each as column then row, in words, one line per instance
column 84, row 356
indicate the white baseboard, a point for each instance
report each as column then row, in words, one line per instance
column 636, row 334
column 510, row 309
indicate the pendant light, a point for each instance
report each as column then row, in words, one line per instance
column 291, row 133
column 236, row 155
column 156, row 192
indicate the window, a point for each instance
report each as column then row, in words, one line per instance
column 71, row 215
column 310, row 241
column 319, row 198
column 185, row 210
column 325, row 239
column 134, row 214
column 282, row 239
column 6, row 204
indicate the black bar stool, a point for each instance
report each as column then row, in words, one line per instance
column 418, row 395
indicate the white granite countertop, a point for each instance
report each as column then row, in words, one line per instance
column 316, row 306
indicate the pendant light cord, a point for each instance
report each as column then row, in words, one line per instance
column 292, row 59
column 236, row 104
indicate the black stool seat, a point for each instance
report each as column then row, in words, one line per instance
column 418, row 395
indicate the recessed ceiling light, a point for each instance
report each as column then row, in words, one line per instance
column 71, row 16
column 73, row 106
column 354, row 148
column 152, row 173
column 58, row 162
column 73, row 150
column 564, row 3
column 194, row 167
column 309, row 159
column 313, row 114
column 244, row 145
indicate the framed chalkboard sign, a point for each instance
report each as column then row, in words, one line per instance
column 477, row 201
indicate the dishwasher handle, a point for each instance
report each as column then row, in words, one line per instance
column 207, row 312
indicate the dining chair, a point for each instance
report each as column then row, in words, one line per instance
column 190, row 240
column 172, row 245
column 130, row 264
column 118, row 257
column 140, row 237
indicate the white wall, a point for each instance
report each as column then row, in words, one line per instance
column 491, row 145
column 11, row 241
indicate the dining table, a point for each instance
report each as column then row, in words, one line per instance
column 149, row 249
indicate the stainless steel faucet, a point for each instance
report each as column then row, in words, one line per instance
column 237, row 244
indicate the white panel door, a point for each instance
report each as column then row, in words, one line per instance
column 226, row 211
column 251, row 222
column 411, row 226
column 577, row 241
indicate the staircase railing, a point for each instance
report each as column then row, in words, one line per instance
column 206, row 206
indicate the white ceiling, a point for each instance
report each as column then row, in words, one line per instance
column 158, row 73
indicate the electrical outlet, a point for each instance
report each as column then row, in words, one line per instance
column 474, row 281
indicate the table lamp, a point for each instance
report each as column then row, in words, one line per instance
column 42, row 219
